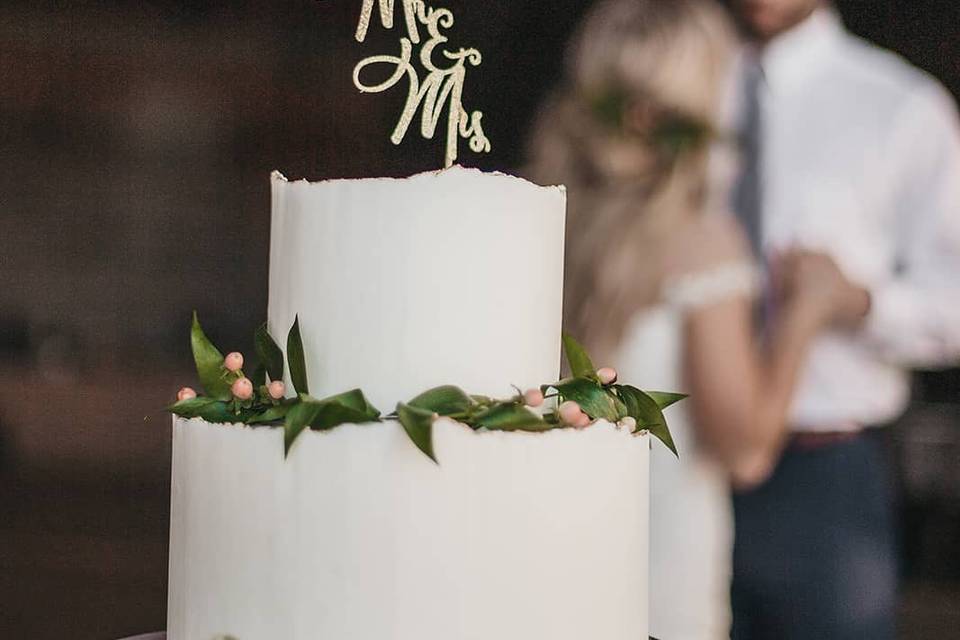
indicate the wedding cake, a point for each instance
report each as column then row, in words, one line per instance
column 352, row 533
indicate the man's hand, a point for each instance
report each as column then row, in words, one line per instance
column 814, row 281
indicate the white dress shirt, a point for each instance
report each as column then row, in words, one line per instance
column 861, row 159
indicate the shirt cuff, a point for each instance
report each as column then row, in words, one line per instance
column 902, row 328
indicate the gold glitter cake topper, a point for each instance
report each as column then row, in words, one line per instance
column 440, row 87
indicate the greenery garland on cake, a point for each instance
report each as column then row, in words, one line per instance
column 590, row 394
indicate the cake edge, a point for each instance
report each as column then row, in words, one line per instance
column 276, row 176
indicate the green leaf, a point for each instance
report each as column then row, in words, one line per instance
column 271, row 414
column 355, row 401
column 210, row 409
column 259, row 377
column 596, row 401
column 648, row 414
column 580, row 364
column 447, row 401
column 619, row 405
column 510, row 416
column 418, row 423
column 298, row 368
column 608, row 106
column 327, row 415
column 270, row 355
column 664, row 398
column 209, row 363
column 297, row 419
column 351, row 407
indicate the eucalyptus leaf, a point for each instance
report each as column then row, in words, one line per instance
column 580, row 364
column 295, row 359
column 648, row 414
column 665, row 399
column 209, row 363
column 210, row 409
column 596, row 401
column 446, row 401
column 270, row 355
column 418, row 423
column 510, row 416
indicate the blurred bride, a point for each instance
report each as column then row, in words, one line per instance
column 660, row 283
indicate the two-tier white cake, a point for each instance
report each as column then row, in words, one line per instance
column 452, row 277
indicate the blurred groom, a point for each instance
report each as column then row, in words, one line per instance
column 854, row 156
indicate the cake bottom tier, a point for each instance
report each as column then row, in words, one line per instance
column 358, row 536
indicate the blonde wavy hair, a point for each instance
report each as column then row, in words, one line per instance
column 652, row 69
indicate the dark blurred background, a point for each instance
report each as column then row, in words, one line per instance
column 136, row 139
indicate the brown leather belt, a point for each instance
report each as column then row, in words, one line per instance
column 808, row 440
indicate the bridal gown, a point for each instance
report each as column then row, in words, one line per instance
column 691, row 521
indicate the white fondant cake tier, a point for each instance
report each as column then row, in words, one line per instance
column 358, row 536
column 449, row 277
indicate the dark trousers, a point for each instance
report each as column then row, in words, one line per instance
column 814, row 556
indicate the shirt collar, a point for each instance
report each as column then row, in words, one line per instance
column 791, row 56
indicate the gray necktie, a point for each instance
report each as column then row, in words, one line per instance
column 748, row 192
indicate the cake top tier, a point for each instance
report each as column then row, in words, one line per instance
column 451, row 276
column 451, row 173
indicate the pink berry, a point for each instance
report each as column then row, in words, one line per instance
column 242, row 389
column 607, row 375
column 569, row 412
column 582, row 422
column 233, row 361
column 533, row 397
column 276, row 389
column 186, row 393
